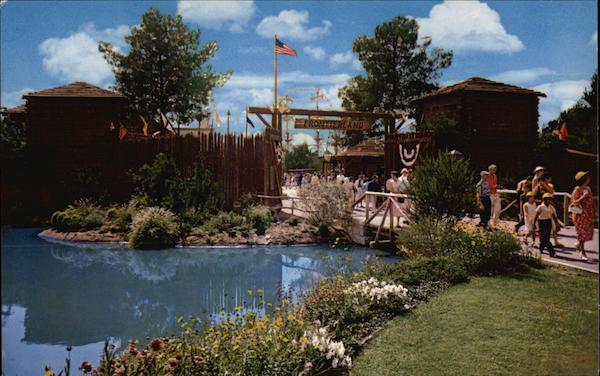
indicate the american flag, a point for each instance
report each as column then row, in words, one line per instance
column 282, row 48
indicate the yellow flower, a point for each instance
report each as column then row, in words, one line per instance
column 49, row 372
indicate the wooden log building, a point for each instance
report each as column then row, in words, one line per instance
column 504, row 118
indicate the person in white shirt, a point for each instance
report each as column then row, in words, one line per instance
column 545, row 215
column 529, row 212
column 360, row 189
column 392, row 185
column 404, row 182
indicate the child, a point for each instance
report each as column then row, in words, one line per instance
column 545, row 214
column 529, row 212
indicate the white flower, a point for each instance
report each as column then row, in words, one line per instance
column 334, row 363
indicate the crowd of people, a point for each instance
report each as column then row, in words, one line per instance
column 537, row 210
column 354, row 187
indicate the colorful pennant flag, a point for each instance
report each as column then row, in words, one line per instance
column 145, row 125
column 122, row 133
column 216, row 119
column 563, row 132
column 248, row 121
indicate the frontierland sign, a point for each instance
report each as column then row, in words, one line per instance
column 346, row 124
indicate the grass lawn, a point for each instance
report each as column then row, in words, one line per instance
column 544, row 322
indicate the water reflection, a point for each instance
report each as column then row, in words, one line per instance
column 59, row 294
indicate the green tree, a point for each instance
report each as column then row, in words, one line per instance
column 398, row 69
column 165, row 68
column 449, row 134
column 581, row 119
column 301, row 157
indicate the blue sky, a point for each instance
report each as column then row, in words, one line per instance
column 549, row 46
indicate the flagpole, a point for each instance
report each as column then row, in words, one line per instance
column 274, row 122
column 246, row 121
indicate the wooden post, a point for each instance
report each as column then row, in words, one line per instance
column 366, row 207
column 274, row 122
column 391, row 205
column 565, row 209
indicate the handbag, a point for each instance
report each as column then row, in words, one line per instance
column 575, row 209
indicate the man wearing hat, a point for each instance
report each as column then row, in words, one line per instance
column 537, row 175
column 483, row 199
column 545, row 214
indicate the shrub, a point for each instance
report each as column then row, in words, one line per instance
column 421, row 271
column 426, row 236
column 490, row 252
column 225, row 221
column 352, row 309
column 260, row 218
column 82, row 215
column 278, row 344
column 118, row 218
column 292, row 221
column 327, row 203
column 154, row 180
column 443, row 186
column 153, row 228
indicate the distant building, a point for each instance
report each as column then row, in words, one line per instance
column 504, row 117
column 365, row 157
column 75, row 114
column 17, row 114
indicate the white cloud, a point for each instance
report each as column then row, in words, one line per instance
column 560, row 96
column 10, row 99
column 468, row 26
column 291, row 24
column 594, row 39
column 250, row 80
column 341, row 58
column 253, row 50
column 76, row 57
column 317, row 53
column 301, row 138
column 234, row 15
column 522, row 76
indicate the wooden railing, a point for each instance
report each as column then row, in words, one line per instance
column 389, row 204
column 566, row 200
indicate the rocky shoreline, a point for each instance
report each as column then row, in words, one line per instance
column 277, row 234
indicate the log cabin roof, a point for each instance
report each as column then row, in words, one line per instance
column 483, row 85
column 20, row 109
column 372, row 147
column 75, row 90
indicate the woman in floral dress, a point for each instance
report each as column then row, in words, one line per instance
column 584, row 212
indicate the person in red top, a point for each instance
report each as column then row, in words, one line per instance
column 494, row 196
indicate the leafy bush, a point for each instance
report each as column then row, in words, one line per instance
column 279, row 344
column 421, row 271
column 260, row 218
column 118, row 218
column 162, row 185
column 225, row 221
column 353, row 308
column 489, row 252
column 327, row 203
column 426, row 236
column 292, row 221
column 443, row 186
column 155, row 180
column 82, row 215
column 153, row 228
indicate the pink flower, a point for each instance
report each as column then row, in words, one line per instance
column 156, row 344
column 173, row 363
column 86, row 367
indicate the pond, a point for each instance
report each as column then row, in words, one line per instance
column 58, row 294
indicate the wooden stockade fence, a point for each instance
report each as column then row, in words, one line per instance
column 236, row 162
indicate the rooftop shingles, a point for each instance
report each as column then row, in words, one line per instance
column 482, row 84
column 75, row 89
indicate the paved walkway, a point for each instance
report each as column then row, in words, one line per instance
column 566, row 255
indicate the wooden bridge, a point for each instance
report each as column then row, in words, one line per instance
column 374, row 214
